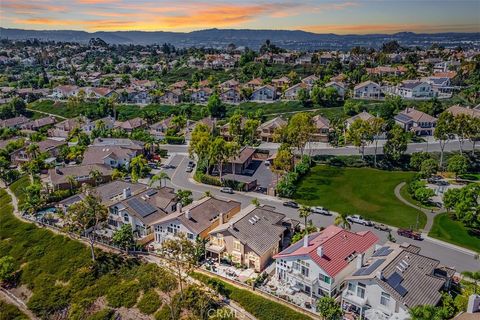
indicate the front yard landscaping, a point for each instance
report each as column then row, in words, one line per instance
column 446, row 229
column 365, row 191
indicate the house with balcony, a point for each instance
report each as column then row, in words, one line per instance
column 394, row 279
column 252, row 237
column 292, row 92
column 195, row 220
column 318, row 264
column 416, row 121
column 412, row 89
column 49, row 146
column 322, row 129
column 266, row 130
column 339, row 87
column 60, row 178
column 264, row 93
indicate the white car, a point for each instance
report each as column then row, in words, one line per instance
column 360, row 220
column 320, row 210
column 226, row 190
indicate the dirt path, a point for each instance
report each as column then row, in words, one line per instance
column 47, row 114
column 11, row 299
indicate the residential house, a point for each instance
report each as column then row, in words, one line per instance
column 62, row 129
column 251, row 238
column 49, row 146
column 322, row 129
column 319, row 263
column 112, row 152
column 159, row 129
column 364, row 115
column 267, row 130
column 13, row 123
column 457, row 109
column 196, row 220
column 264, row 93
column 58, row 178
column 393, row 280
column 180, row 85
column 367, row 90
column 239, row 163
column 414, row 90
column 310, row 80
column 131, row 125
column 225, row 129
column 292, row 92
column 229, row 84
column 200, row 95
column 254, row 84
column 142, row 210
column 39, row 123
column 419, row 122
column 386, row 71
column 171, row 97
column 339, row 87
column 64, row 92
column 304, row 59
column 231, row 95
column 281, row 83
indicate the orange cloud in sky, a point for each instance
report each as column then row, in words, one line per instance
column 31, row 6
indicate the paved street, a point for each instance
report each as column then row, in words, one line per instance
column 324, row 149
column 446, row 254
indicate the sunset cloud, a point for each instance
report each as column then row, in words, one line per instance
column 322, row 16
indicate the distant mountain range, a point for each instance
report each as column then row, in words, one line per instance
column 220, row 38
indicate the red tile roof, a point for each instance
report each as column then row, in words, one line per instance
column 337, row 245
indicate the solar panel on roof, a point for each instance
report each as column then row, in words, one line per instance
column 151, row 192
column 383, row 251
column 368, row 270
column 394, row 281
column 141, row 207
column 401, row 290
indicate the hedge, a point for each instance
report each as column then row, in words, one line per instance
column 260, row 307
column 175, row 140
column 149, row 303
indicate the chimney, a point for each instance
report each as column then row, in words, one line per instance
column 320, row 251
column 305, row 241
column 126, row 193
column 220, row 218
column 380, row 275
column 359, row 261
column 179, row 207
column 473, row 303
column 188, row 215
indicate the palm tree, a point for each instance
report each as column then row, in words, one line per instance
column 33, row 150
column 96, row 176
column 161, row 176
column 341, row 220
column 72, row 181
column 305, row 212
column 208, row 193
column 473, row 275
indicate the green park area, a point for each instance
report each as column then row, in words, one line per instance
column 365, row 191
column 447, row 229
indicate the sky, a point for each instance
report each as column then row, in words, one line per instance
column 319, row 16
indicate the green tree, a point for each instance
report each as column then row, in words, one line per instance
column 303, row 96
column 219, row 153
column 342, row 221
column 443, row 130
column 123, row 237
column 429, row 168
column 184, row 197
column 250, row 130
column 7, row 268
column 215, row 106
column 472, row 275
column 352, row 107
column 377, row 127
column 329, row 309
column 200, row 141
column 96, row 177
column 138, row 167
column 33, row 198
column 359, row 134
column 88, row 214
column 457, row 164
column 450, row 198
column 396, row 145
column 304, row 212
column 417, row 158
column 424, row 194
column 299, row 130
column 159, row 177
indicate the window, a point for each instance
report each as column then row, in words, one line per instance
column 351, row 287
column 125, row 217
column 325, row 278
column 190, row 236
column 385, row 299
column 236, row 245
column 361, row 290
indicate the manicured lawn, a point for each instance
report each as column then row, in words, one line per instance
column 446, row 229
column 365, row 191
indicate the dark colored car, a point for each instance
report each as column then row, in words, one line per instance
column 291, row 204
column 409, row 234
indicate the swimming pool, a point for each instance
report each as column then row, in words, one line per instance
column 42, row 213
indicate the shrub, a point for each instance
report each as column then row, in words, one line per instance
column 175, row 140
column 150, row 302
column 124, row 294
column 105, row 314
column 9, row 311
column 208, row 179
column 165, row 314
column 260, row 307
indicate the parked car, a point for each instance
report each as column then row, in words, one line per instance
column 191, row 164
column 360, row 220
column 291, row 204
column 226, row 190
column 189, row 169
column 409, row 234
column 168, row 166
column 267, row 163
column 381, row 227
column 261, row 189
column 320, row 210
